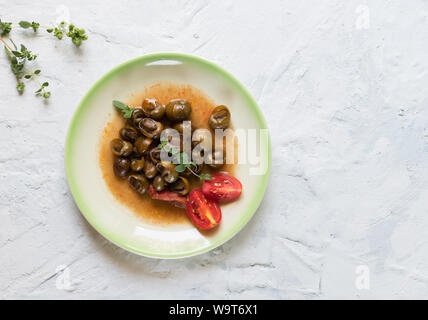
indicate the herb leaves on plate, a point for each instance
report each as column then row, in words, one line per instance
column 126, row 110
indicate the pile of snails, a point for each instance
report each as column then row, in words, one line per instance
column 137, row 155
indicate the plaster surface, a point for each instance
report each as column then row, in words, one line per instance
column 343, row 87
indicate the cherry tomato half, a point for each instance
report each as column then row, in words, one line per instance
column 204, row 213
column 222, row 188
column 172, row 197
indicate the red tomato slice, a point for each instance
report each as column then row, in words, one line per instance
column 222, row 188
column 172, row 197
column 204, row 213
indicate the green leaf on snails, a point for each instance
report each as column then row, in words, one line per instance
column 126, row 111
column 205, row 176
column 180, row 168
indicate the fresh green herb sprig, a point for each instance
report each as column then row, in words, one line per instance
column 24, row 53
column 167, row 147
column 126, row 110
column 42, row 90
column 58, row 31
column 33, row 74
column 26, row 25
column 18, row 58
column 5, row 28
column 77, row 35
column 183, row 160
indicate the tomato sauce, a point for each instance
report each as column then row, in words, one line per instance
column 153, row 211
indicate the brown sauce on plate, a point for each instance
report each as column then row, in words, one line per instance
column 155, row 211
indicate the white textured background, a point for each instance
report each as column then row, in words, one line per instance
column 347, row 110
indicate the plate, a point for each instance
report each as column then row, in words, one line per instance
column 115, row 221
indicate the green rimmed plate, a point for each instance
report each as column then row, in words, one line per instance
column 115, row 221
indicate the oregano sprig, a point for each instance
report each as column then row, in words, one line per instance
column 126, row 110
column 77, row 35
column 19, row 58
column 42, row 90
column 5, row 28
column 183, row 160
column 26, row 25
